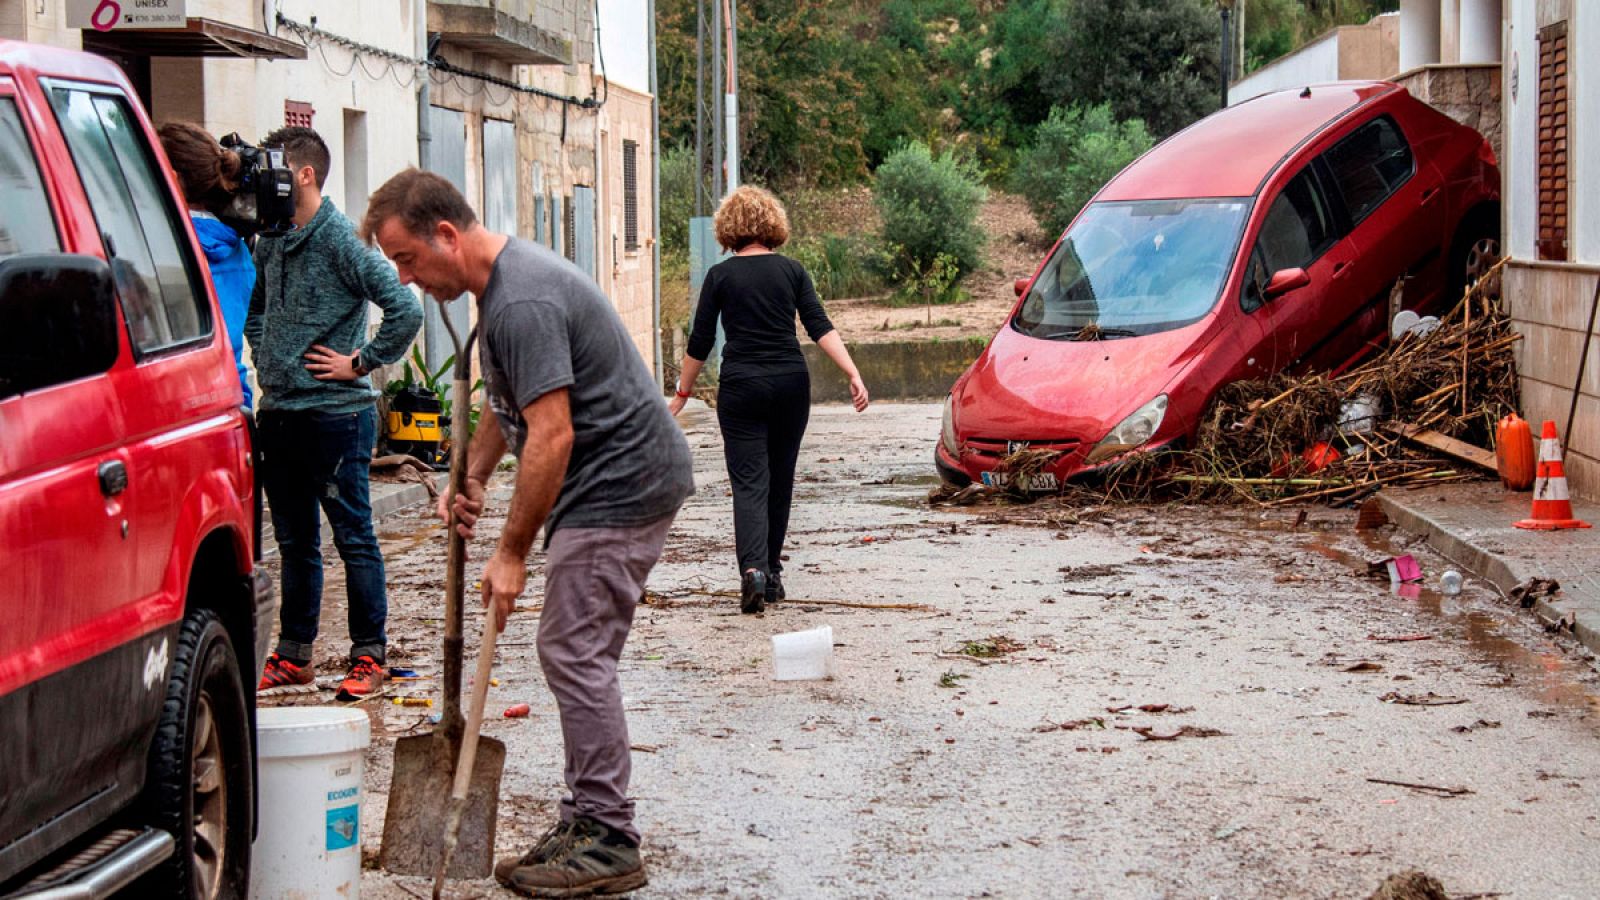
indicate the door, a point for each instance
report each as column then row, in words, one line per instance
column 1299, row 231
column 500, row 176
column 448, row 158
column 1395, row 207
column 583, row 229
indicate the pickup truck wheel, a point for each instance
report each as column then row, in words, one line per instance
column 198, row 784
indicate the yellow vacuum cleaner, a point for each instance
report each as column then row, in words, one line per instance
column 416, row 424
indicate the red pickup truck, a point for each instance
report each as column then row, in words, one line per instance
column 133, row 619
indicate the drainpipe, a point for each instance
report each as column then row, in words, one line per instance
column 419, row 15
column 655, row 198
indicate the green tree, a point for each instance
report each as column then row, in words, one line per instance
column 929, row 206
column 1074, row 152
column 677, row 199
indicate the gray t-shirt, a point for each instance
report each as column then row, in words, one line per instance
column 545, row 326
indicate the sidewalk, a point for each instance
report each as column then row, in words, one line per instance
column 1471, row 524
column 387, row 498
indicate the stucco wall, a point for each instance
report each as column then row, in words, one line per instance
column 626, row 275
column 41, row 23
column 1315, row 63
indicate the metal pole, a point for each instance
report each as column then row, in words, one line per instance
column 700, row 108
column 716, row 102
column 731, row 102
column 655, row 198
column 1226, row 68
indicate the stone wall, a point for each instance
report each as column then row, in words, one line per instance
column 1549, row 306
column 1470, row 94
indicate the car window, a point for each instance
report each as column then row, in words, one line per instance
column 150, row 260
column 1297, row 229
column 1369, row 165
column 26, row 225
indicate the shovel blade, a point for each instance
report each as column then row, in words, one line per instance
column 419, row 805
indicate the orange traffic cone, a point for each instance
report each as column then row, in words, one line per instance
column 1552, row 505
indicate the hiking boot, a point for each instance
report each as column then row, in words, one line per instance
column 365, row 678
column 774, row 589
column 284, row 676
column 753, row 591
column 552, row 842
column 591, row 860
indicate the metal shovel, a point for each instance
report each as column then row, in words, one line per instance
column 425, row 764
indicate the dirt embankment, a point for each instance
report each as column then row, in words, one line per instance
column 1015, row 247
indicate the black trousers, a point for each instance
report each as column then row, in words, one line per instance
column 762, row 419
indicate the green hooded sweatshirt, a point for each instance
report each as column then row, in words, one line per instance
column 312, row 287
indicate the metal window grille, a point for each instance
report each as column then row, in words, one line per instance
column 630, row 195
column 1553, row 131
column 297, row 113
column 569, row 245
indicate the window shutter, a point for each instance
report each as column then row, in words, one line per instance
column 569, row 247
column 1553, row 133
column 630, row 195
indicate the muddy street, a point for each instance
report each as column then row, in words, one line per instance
column 1045, row 702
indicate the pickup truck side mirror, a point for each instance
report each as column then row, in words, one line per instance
column 59, row 322
column 1021, row 285
column 1285, row 280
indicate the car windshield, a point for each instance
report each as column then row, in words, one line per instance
column 1131, row 268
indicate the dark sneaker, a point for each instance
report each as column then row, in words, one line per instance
column 774, row 589
column 753, row 591
column 552, row 843
column 281, row 676
column 365, row 678
column 592, row 860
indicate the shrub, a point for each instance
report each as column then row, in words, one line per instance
column 930, row 206
column 844, row 265
column 677, row 199
column 1074, row 152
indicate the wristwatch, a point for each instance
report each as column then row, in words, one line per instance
column 677, row 388
column 357, row 366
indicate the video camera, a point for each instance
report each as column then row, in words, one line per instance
column 264, row 202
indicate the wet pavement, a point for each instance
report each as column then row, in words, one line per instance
column 1471, row 524
column 1047, row 701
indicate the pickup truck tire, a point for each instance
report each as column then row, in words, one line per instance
column 198, row 784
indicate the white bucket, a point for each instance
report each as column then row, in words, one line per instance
column 803, row 655
column 311, row 760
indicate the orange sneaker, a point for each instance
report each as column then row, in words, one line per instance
column 365, row 678
column 280, row 676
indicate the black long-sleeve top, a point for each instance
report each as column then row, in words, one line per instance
column 757, row 297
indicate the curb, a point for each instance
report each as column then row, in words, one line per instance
column 1505, row 574
column 394, row 498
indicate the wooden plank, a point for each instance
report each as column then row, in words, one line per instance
column 1445, row 444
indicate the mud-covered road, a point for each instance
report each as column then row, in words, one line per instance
column 1256, row 644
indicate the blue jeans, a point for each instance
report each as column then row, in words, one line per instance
column 312, row 460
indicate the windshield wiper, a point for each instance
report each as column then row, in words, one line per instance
column 1093, row 332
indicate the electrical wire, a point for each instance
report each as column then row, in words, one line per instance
column 600, row 53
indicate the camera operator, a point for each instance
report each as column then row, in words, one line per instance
column 208, row 173
column 307, row 328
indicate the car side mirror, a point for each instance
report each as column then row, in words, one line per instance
column 1285, row 280
column 58, row 322
column 1021, row 285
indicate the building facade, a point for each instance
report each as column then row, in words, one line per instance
column 502, row 97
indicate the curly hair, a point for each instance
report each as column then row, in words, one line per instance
column 751, row 215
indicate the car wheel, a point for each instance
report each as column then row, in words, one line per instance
column 1476, row 250
column 198, row 783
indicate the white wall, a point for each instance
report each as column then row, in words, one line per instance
column 1519, row 194
column 1419, row 33
column 1315, row 63
column 1480, row 31
column 1583, row 106
column 625, row 42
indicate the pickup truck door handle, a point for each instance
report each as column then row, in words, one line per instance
column 113, row 477
column 1340, row 270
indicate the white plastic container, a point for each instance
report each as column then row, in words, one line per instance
column 311, row 760
column 803, row 655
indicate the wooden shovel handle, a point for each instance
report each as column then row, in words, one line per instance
column 480, row 693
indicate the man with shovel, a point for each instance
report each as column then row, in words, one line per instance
column 601, row 466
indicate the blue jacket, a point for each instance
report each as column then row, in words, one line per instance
column 234, row 275
column 312, row 287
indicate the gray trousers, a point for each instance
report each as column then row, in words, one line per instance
column 594, row 577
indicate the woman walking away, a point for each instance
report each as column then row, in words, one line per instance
column 764, row 398
column 208, row 175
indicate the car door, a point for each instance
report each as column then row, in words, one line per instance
column 1298, row 231
column 67, row 637
column 1395, row 207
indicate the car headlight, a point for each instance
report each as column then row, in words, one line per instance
column 1133, row 432
column 947, row 430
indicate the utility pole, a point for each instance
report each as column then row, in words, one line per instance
column 730, row 108
column 700, row 108
column 1225, row 68
column 717, row 88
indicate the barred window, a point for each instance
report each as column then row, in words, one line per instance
column 630, row 195
column 569, row 244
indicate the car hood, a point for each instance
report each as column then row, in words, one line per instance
column 1025, row 388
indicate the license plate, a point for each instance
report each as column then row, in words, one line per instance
column 1040, row 481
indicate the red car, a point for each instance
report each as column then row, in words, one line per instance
column 1265, row 237
column 134, row 619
